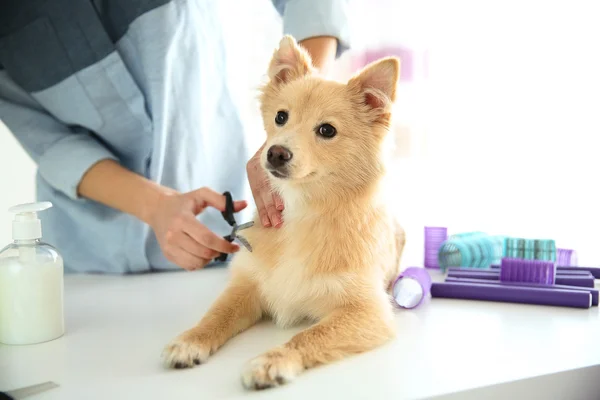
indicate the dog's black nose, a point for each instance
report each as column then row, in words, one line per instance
column 278, row 156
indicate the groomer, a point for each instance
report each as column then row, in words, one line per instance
column 126, row 109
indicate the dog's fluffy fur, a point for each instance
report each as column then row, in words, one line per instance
column 333, row 259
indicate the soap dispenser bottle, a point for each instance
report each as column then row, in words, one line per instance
column 31, row 282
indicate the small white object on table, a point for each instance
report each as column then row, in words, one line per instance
column 117, row 326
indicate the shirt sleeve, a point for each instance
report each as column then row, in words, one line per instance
column 303, row 19
column 63, row 155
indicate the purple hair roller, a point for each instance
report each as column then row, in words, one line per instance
column 559, row 270
column 592, row 270
column 531, row 271
column 566, row 257
column 595, row 271
column 411, row 287
column 434, row 237
column 570, row 280
column 512, row 294
column 575, row 280
column 594, row 292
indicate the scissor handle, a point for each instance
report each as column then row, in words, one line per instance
column 223, row 256
column 228, row 213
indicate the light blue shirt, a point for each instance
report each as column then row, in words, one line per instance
column 137, row 81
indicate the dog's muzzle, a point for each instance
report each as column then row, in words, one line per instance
column 278, row 158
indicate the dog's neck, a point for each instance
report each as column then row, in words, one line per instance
column 301, row 199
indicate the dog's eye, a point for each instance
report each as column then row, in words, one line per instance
column 281, row 118
column 327, row 131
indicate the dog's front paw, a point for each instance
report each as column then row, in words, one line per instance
column 272, row 369
column 185, row 352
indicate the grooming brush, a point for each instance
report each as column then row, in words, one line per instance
column 542, row 295
column 434, row 237
column 411, row 287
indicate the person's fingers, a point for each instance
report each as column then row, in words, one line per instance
column 188, row 244
column 207, row 238
column 207, row 197
column 273, row 215
column 179, row 251
column 264, row 216
column 278, row 201
column 239, row 205
column 260, row 207
column 258, row 184
column 184, row 259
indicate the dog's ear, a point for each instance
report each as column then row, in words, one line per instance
column 289, row 62
column 377, row 83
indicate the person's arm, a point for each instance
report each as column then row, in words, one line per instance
column 322, row 50
column 78, row 165
column 172, row 215
column 321, row 28
column 109, row 183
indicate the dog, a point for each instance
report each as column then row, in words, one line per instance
column 335, row 257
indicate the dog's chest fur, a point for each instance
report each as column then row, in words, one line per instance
column 314, row 263
column 291, row 293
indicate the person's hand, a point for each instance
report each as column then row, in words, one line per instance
column 182, row 238
column 268, row 203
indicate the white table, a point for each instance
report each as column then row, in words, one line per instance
column 117, row 327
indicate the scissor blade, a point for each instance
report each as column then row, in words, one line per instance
column 245, row 226
column 245, row 243
column 24, row 392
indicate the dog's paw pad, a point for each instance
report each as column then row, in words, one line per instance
column 185, row 353
column 270, row 370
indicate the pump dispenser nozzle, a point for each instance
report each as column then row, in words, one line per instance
column 26, row 225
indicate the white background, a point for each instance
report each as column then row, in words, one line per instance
column 501, row 137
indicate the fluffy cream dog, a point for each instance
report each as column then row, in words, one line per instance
column 333, row 259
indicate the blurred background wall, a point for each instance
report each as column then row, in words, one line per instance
column 497, row 119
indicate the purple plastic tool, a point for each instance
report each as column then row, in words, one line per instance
column 594, row 292
column 411, row 287
column 559, row 270
column 434, row 237
column 530, row 271
column 566, row 257
column 571, row 280
column 595, row 271
column 512, row 294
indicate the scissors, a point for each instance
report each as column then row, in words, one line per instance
column 27, row 391
column 228, row 216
